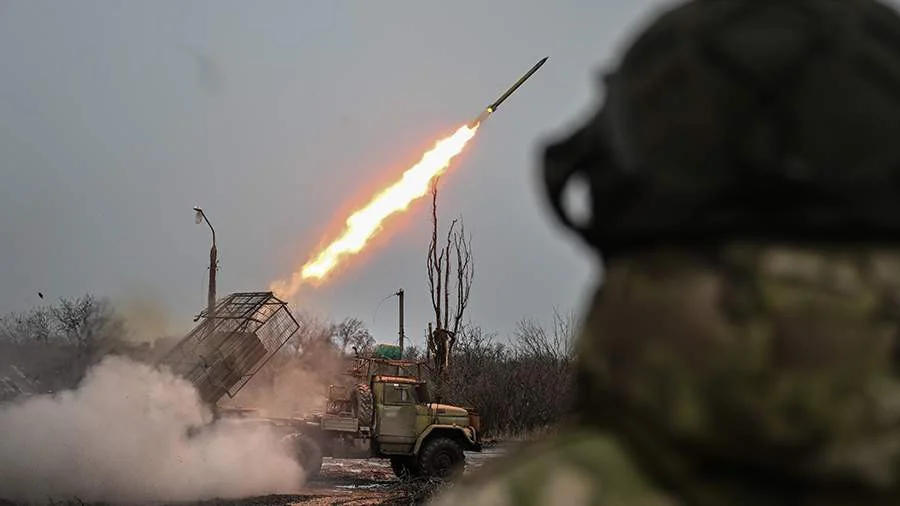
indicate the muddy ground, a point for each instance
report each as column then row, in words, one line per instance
column 346, row 482
column 352, row 482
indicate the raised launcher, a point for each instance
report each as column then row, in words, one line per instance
column 221, row 354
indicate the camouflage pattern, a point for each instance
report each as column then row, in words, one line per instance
column 744, row 347
column 582, row 467
column 746, row 374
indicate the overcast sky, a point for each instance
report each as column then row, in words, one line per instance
column 278, row 117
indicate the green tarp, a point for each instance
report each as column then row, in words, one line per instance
column 388, row 351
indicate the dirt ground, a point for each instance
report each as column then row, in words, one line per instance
column 359, row 482
column 345, row 482
column 352, row 482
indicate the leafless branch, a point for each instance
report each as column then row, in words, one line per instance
column 450, row 269
column 465, row 273
column 533, row 339
column 446, row 256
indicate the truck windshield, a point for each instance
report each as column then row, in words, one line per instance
column 397, row 394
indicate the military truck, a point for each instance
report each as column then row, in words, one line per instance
column 387, row 413
column 381, row 410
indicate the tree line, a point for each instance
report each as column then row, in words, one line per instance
column 519, row 385
column 51, row 347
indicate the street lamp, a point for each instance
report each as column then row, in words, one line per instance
column 199, row 217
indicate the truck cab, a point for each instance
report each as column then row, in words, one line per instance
column 420, row 437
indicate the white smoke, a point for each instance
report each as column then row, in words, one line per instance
column 122, row 436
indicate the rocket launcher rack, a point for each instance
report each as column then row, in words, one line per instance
column 223, row 352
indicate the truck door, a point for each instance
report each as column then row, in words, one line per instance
column 396, row 424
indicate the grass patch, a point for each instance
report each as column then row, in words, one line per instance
column 522, row 436
column 416, row 491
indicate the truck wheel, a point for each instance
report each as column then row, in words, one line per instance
column 307, row 453
column 404, row 467
column 364, row 404
column 442, row 458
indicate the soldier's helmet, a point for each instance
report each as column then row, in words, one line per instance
column 744, row 118
column 767, row 122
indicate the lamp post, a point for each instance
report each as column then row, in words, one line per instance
column 211, row 296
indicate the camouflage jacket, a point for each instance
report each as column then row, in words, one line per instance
column 741, row 375
column 583, row 466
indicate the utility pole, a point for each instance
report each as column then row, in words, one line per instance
column 399, row 294
column 428, row 341
column 213, row 263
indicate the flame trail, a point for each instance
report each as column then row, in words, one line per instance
column 365, row 223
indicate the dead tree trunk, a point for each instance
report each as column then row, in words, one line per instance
column 450, row 274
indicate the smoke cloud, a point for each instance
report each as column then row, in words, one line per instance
column 145, row 313
column 295, row 381
column 132, row 433
column 295, row 388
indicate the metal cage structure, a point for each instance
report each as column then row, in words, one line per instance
column 225, row 350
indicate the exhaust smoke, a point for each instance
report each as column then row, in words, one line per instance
column 123, row 436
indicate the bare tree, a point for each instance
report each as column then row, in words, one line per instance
column 523, row 386
column 352, row 332
column 450, row 273
column 35, row 326
column 90, row 325
column 557, row 342
column 84, row 322
column 80, row 331
column 314, row 333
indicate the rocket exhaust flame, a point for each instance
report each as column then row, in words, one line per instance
column 365, row 223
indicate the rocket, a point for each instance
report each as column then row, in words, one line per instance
column 496, row 104
column 493, row 107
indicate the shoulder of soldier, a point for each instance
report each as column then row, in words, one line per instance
column 579, row 466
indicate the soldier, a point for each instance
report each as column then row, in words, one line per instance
column 743, row 347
